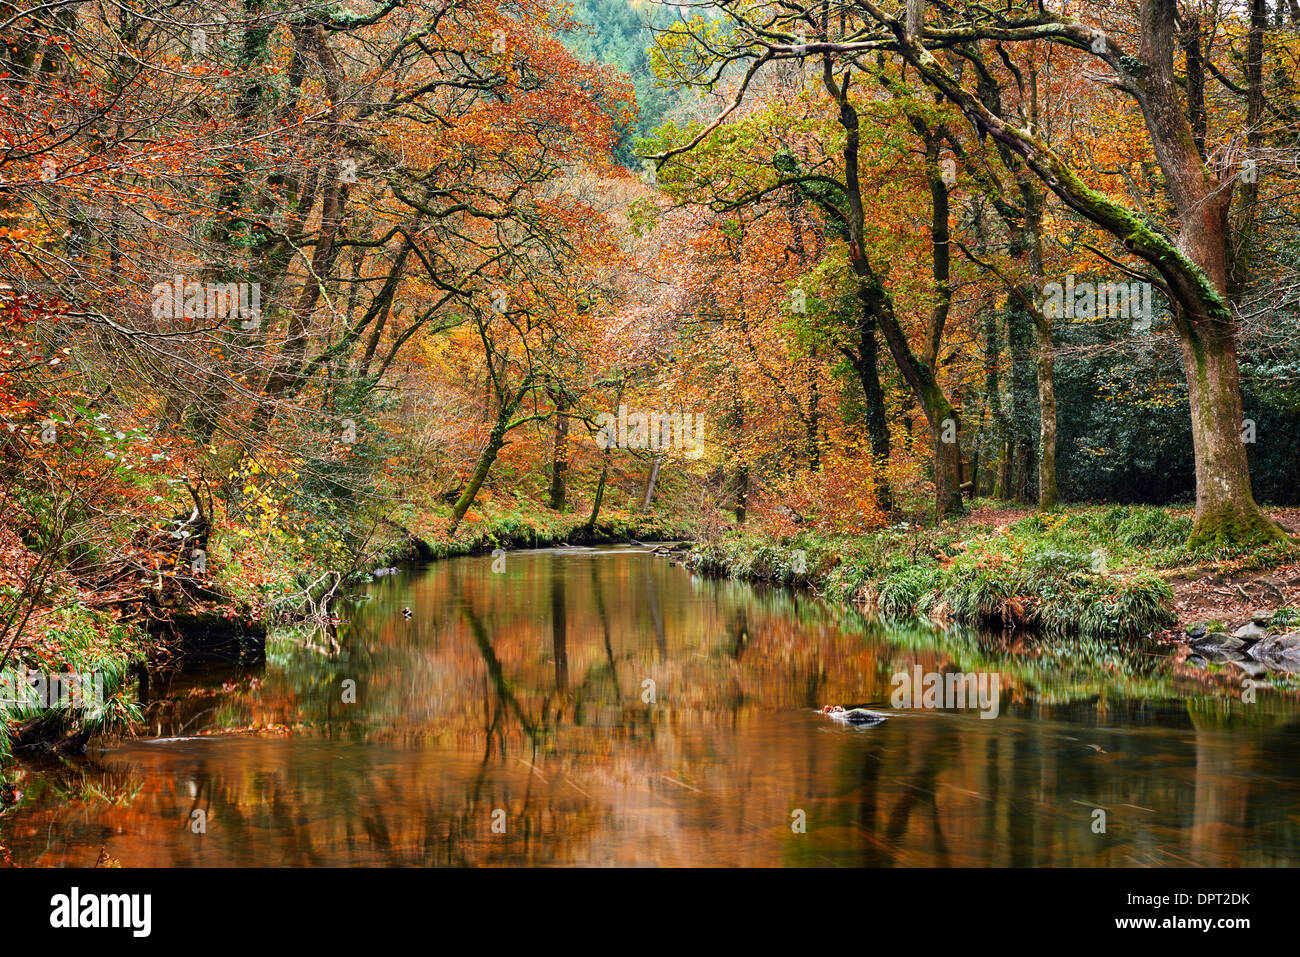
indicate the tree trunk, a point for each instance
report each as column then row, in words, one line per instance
column 814, row 417
column 600, row 494
column 997, row 432
column 742, row 493
column 865, row 360
column 1023, row 387
column 1002, row 478
column 1226, row 511
column 560, row 457
column 651, row 482
column 1048, row 494
column 489, row 455
column 947, row 464
column 977, row 451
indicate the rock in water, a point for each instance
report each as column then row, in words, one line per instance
column 1281, row 652
column 1217, row 645
column 857, row 716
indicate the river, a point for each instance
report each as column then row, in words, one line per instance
column 602, row 706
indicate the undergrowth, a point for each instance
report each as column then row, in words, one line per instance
column 1091, row 572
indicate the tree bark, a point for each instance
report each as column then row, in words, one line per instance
column 600, row 494
column 496, row 440
column 1226, row 511
column 865, row 359
column 1048, row 494
column 560, row 454
column 651, row 481
column 1020, row 334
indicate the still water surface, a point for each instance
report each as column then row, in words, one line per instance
column 604, row 707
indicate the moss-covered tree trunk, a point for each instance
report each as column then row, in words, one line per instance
column 1033, row 197
column 1048, row 493
column 496, row 440
column 1020, row 336
column 813, row 426
column 1193, row 264
column 600, row 494
column 1225, row 505
column 996, row 437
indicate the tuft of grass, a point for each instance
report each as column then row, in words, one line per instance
column 1285, row 618
column 81, row 641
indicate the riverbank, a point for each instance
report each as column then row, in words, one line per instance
column 77, row 628
column 1100, row 573
column 1095, row 572
column 549, row 659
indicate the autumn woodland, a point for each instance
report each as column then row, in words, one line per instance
column 978, row 315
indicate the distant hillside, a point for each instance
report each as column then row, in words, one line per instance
column 619, row 35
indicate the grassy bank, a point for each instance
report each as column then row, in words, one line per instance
column 73, row 640
column 1092, row 572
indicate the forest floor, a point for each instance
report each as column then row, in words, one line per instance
column 1210, row 593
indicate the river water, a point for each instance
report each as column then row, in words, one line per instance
column 602, row 706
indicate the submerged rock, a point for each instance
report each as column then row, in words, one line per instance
column 858, row 716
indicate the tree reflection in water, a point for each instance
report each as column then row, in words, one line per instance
column 523, row 693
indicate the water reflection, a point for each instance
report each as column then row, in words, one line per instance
column 619, row 710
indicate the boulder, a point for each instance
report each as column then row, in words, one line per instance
column 1198, row 630
column 1218, row 646
column 1281, row 652
column 1250, row 632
